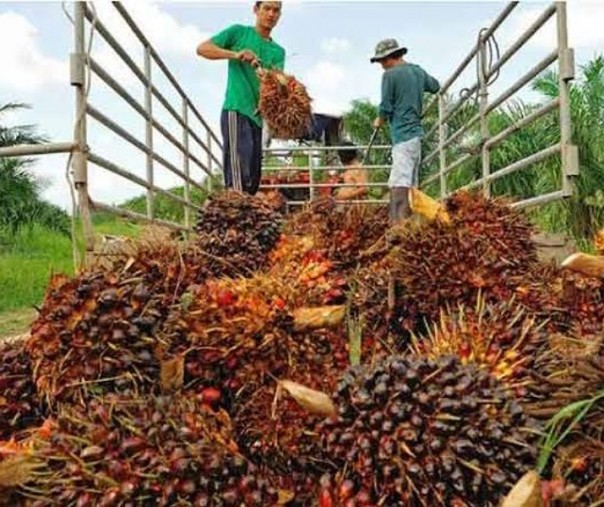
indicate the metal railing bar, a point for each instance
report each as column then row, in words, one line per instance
column 525, row 79
column 323, row 185
column 522, row 40
column 286, row 150
column 164, row 102
column 114, row 44
column 321, row 168
column 461, row 160
column 516, row 166
column 539, row 200
column 20, row 150
column 120, row 131
column 352, row 201
column 451, row 112
column 114, row 168
column 504, row 134
column 133, row 215
column 134, row 27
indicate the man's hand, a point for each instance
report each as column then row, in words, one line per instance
column 248, row 56
column 378, row 122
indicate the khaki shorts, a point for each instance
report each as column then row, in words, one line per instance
column 406, row 159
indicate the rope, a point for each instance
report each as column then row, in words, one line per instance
column 79, row 118
column 493, row 55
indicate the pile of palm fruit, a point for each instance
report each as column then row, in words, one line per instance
column 260, row 362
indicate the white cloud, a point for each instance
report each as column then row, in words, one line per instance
column 165, row 33
column 325, row 82
column 335, row 45
column 24, row 66
column 584, row 25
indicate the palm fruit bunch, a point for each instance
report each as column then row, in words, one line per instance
column 231, row 332
column 412, row 428
column 348, row 235
column 97, row 330
column 502, row 337
column 20, row 407
column 284, row 105
column 314, row 278
column 482, row 248
column 276, row 433
column 237, row 231
column 145, row 451
column 93, row 331
column 571, row 302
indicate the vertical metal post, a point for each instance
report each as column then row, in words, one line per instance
column 311, row 176
column 566, row 72
column 483, row 94
column 149, row 131
column 210, row 162
column 80, row 157
column 185, row 162
column 441, row 141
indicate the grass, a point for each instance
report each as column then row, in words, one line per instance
column 15, row 322
column 29, row 258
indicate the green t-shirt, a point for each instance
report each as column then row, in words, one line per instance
column 243, row 85
column 403, row 88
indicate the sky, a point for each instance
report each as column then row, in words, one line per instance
column 328, row 45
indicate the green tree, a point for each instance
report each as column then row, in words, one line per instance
column 20, row 202
column 583, row 213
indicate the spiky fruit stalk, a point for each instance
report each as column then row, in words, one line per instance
column 416, row 428
column 484, row 246
column 502, row 338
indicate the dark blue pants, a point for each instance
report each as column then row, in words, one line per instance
column 242, row 152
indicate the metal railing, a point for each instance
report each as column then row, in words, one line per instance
column 191, row 170
column 317, row 165
column 486, row 142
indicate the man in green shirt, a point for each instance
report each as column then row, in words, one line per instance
column 403, row 87
column 245, row 47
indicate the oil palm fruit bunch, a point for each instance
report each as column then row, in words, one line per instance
column 97, row 330
column 284, row 105
column 231, row 332
column 483, row 247
column 502, row 338
column 348, row 235
column 93, row 331
column 237, row 231
column 412, row 428
column 145, row 451
column 20, row 407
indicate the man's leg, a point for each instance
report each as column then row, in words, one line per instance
column 404, row 174
column 227, row 169
column 256, row 158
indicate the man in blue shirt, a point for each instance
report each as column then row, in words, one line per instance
column 403, row 87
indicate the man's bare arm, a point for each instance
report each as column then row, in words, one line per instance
column 211, row 51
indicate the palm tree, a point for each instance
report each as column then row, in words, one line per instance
column 20, row 202
column 583, row 214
